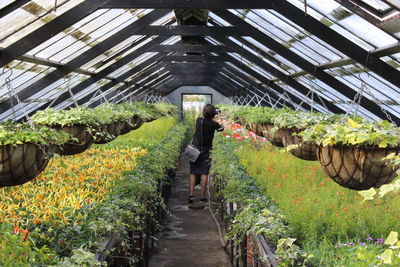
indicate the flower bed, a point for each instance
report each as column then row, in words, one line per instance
column 76, row 202
column 330, row 222
column 256, row 212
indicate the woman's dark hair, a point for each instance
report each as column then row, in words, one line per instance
column 209, row 111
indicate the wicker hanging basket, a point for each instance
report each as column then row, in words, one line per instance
column 112, row 130
column 305, row 151
column 22, row 163
column 357, row 168
column 151, row 119
column 275, row 138
column 138, row 123
column 255, row 128
column 80, row 132
column 129, row 126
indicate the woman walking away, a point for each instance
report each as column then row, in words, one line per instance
column 202, row 139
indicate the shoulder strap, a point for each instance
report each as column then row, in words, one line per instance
column 201, row 131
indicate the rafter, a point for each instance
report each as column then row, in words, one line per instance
column 204, row 4
column 83, row 58
column 48, row 30
column 302, row 63
column 338, row 41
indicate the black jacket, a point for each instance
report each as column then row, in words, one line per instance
column 204, row 134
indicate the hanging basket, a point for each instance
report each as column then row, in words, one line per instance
column 151, row 119
column 128, row 126
column 80, row 132
column 357, row 168
column 134, row 124
column 255, row 128
column 275, row 138
column 305, row 151
column 138, row 123
column 22, row 163
column 109, row 131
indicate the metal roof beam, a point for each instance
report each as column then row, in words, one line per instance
column 48, row 30
column 83, row 58
column 185, row 4
column 304, row 64
column 190, row 30
column 11, row 7
column 270, row 83
column 149, row 81
column 193, row 58
column 272, row 70
column 54, row 64
column 338, row 41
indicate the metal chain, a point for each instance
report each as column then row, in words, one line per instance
column 312, row 101
column 8, row 86
column 11, row 90
column 377, row 101
column 68, row 79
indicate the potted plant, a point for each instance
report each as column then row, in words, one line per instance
column 25, row 151
column 113, row 120
column 291, row 123
column 80, row 123
column 254, row 117
column 353, row 153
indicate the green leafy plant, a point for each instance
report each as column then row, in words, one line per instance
column 256, row 212
column 355, row 132
column 73, row 116
column 14, row 134
column 133, row 199
column 301, row 120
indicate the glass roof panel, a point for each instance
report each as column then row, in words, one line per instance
column 378, row 5
column 266, row 60
column 285, row 34
column 344, row 21
column 30, row 17
column 4, row 3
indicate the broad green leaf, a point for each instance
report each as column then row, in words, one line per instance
column 383, row 144
column 368, row 194
column 387, row 256
column 353, row 124
column 384, row 189
column 392, row 238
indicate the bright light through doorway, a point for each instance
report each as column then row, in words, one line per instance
column 195, row 102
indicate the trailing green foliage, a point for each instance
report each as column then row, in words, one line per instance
column 14, row 134
column 104, row 114
column 256, row 213
column 133, row 199
column 356, row 132
column 73, row 116
column 130, row 200
column 328, row 221
column 147, row 136
column 302, row 120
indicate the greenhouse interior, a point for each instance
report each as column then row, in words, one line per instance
column 171, row 133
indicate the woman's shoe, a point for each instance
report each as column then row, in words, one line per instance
column 191, row 199
column 204, row 200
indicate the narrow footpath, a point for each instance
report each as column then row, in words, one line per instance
column 190, row 237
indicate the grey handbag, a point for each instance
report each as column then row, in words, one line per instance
column 191, row 152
